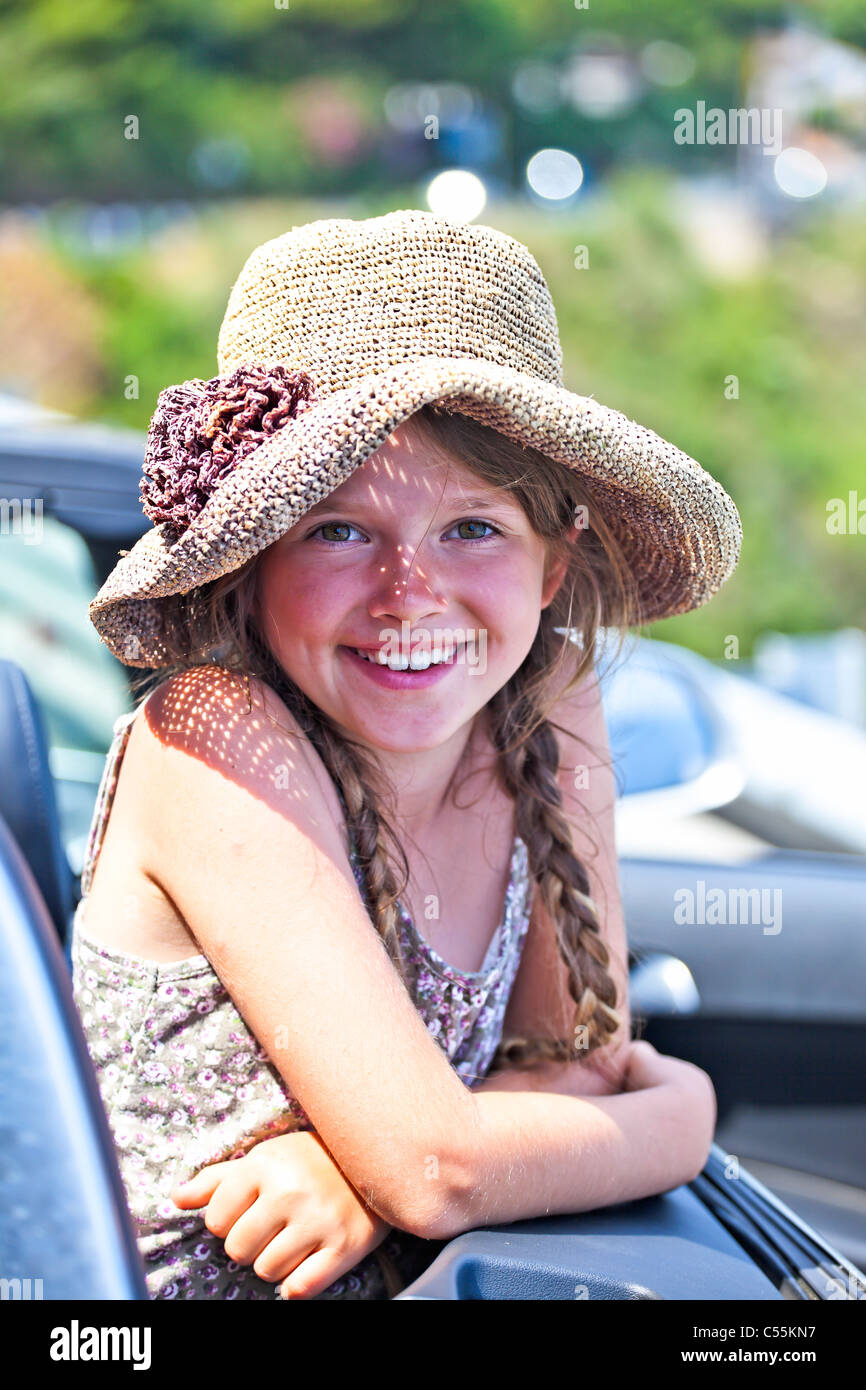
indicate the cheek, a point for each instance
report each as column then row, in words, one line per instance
column 508, row 597
column 298, row 604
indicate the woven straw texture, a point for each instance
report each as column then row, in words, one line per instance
column 385, row 315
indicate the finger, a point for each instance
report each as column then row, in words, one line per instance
column 254, row 1229
column 198, row 1189
column 316, row 1273
column 234, row 1195
column 282, row 1255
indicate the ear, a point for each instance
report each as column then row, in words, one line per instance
column 556, row 573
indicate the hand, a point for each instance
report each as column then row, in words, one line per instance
column 646, row 1067
column 602, row 1073
column 286, row 1208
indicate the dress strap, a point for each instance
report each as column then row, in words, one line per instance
column 105, row 797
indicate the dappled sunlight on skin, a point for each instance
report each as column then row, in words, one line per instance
column 205, row 713
column 384, row 465
column 404, row 569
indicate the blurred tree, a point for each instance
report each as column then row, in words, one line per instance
column 210, row 86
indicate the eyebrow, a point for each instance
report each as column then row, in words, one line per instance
column 484, row 502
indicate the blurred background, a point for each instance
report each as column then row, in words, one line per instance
column 692, row 181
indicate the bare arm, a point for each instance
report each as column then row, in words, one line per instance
column 247, row 847
column 578, row 1141
column 241, row 837
column 543, row 1153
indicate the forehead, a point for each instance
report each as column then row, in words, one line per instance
column 407, row 467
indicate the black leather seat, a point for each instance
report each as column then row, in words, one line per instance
column 65, row 1227
column 28, row 803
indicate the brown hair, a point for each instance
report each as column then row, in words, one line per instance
column 214, row 623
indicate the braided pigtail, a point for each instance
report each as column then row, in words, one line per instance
column 369, row 828
column 529, row 758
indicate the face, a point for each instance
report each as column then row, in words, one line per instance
column 412, row 556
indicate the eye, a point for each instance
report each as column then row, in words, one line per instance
column 476, row 523
column 333, row 526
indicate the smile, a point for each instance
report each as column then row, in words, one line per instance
column 417, row 661
column 401, row 672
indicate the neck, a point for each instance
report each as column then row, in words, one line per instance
column 423, row 780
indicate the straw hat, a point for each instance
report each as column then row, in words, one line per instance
column 335, row 333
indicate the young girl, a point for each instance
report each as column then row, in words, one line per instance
column 353, row 970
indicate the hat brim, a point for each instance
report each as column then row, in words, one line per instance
column 678, row 528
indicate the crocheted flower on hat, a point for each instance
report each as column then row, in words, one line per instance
column 201, row 430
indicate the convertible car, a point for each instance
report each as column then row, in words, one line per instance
column 779, row 1212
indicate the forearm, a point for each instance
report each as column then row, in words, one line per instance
column 541, row 1153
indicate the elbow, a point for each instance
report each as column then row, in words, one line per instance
column 435, row 1207
column 443, row 1221
column 703, row 1155
column 435, row 1214
column 696, row 1168
column 430, row 1191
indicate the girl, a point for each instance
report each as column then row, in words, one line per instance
column 361, row 600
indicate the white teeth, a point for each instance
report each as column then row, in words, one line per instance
column 416, row 662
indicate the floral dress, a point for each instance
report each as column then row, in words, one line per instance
column 185, row 1083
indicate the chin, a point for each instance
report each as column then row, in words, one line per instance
column 387, row 741
column 405, row 739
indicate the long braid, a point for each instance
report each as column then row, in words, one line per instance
column 529, row 758
column 369, row 829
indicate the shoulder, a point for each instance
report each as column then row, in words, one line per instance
column 211, row 692
column 215, row 712
column 204, row 736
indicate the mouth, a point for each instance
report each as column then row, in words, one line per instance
column 441, row 655
column 400, row 672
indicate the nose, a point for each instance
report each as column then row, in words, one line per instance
column 405, row 587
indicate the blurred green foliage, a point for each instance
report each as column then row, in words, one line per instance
column 193, row 74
